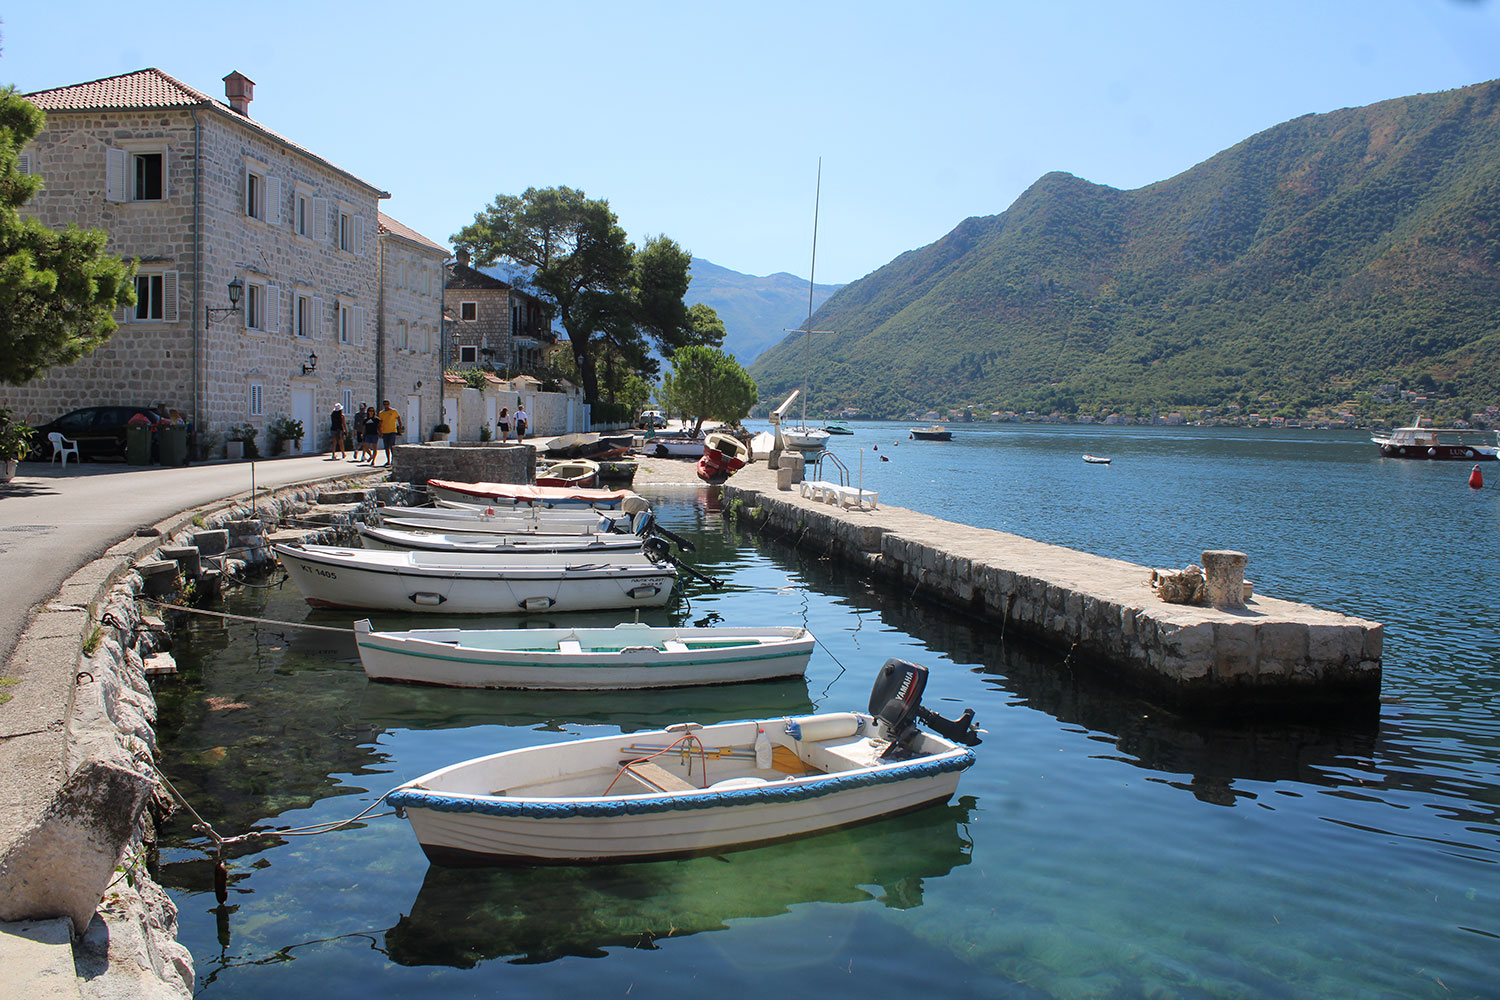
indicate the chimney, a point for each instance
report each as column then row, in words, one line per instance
column 463, row 257
column 240, row 90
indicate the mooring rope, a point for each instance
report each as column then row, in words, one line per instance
column 245, row 618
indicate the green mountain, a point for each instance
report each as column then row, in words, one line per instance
column 756, row 312
column 1327, row 256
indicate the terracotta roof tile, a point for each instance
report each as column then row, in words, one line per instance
column 151, row 88
column 390, row 225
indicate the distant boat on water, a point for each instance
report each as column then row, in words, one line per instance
column 1095, row 460
column 931, row 434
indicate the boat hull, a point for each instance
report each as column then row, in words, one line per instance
column 471, row 583
column 456, row 826
column 522, row 494
column 1438, row 453
column 439, row 540
column 626, row 657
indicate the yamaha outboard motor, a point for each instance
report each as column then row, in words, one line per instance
column 896, row 700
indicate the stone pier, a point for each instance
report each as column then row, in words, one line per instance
column 1101, row 613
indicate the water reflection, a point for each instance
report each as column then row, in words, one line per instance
column 529, row 915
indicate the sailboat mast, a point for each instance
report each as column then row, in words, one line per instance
column 812, row 272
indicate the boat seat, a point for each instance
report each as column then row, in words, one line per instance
column 675, row 646
column 658, row 778
column 569, row 646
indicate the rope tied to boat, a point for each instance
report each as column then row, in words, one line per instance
column 244, row 618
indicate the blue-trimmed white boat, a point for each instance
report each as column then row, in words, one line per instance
column 691, row 789
column 625, row 657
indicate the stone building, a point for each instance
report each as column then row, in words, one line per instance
column 410, row 324
column 212, row 203
column 492, row 324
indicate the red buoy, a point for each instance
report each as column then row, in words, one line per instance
column 1476, row 479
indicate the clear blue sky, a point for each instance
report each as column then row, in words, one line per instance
column 705, row 120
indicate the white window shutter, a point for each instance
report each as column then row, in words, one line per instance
column 25, row 163
column 317, row 316
column 116, row 164
column 273, row 200
column 359, row 234
column 273, row 309
column 169, row 297
column 359, row 324
column 320, row 218
column 165, row 194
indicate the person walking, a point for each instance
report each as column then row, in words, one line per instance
column 336, row 427
column 390, row 426
column 369, row 435
column 521, row 421
column 504, row 423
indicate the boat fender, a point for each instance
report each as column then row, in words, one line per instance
column 1476, row 479
column 1432, row 451
column 825, row 727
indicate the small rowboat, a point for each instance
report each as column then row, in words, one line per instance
column 475, row 582
column 723, row 455
column 1095, row 460
column 575, row 472
column 628, row 656
column 524, row 494
column 470, row 541
column 691, row 789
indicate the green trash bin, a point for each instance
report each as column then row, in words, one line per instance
column 138, row 444
column 171, row 444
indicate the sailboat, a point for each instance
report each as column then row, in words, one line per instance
column 804, row 436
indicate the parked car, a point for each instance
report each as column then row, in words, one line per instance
column 651, row 418
column 99, row 431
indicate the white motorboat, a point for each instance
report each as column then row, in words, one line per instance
column 1095, row 460
column 525, row 494
column 672, row 446
column 1438, row 443
column 691, row 789
column 471, row 541
column 475, row 582
column 804, row 438
column 628, row 656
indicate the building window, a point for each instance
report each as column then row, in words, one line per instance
column 262, row 307
column 468, row 311
column 468, row 355
column 255, row 195
column 135, row 175
column 257, row 399
column 346, row 325
column 346, row 232
column 305, row 316
column 304, row 220
column 150, row 181
column 147, row 296
column 348, row 402
column 401, row 336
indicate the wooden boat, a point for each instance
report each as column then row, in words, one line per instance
column 509, row 520
column 475, row 582
column 1433, row 443
column 523, row 494
column 672, row 446
column 589, row 445
column 1095, row 460
column 691, row 789
column 933, row 433
column 575, row 472
column 723, row 456
column 402, row 540
column 625, row 657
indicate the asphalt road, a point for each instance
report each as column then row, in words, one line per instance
column 55, row 521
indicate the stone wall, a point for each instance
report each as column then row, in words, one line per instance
column 465, row 463
column 1100, row 613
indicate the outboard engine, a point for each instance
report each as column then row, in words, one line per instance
column 896, row 701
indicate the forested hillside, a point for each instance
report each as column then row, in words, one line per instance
column 1329, row 256
column 756, row 311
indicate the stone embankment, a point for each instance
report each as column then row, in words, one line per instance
column 78, row 817
column 1103, row 613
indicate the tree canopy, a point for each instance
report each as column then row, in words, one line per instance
column 58, row 289
column 707, row 384
column 615, row 301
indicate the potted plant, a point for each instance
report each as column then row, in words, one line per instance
column 283, row 429
column 15, row 440
column 240, row 442
column 439, row 432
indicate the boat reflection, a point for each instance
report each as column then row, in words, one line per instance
column 462, row 917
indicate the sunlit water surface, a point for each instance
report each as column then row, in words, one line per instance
column 1101, row 847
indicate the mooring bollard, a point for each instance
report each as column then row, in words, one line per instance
column 789, row 471
column 1224, row 572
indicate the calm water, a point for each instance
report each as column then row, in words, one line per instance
column 1101, row 847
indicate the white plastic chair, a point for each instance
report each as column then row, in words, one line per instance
column 64, row 447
